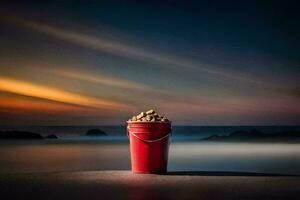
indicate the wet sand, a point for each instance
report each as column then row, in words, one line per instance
column 125, row 185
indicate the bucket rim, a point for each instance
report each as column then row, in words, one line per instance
column 131, row 122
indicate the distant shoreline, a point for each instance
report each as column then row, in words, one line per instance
column 256, row 136
column 179, row 133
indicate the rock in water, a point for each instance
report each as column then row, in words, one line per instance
column 23, row 135
column 52, row 136
column 257, row 136
column 95, row 132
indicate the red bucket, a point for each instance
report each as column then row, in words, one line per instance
column 149, row 146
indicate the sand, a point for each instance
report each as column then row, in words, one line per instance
column 125, row 185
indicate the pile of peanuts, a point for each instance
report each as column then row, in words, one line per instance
column 148, row 116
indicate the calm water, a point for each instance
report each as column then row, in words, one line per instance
column 73, row 152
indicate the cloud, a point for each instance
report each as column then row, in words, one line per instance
column 123, row 49
column 102, row 79
column 44, row 92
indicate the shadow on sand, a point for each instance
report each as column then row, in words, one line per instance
column 222, row 173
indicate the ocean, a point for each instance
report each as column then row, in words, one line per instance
column 75, row 152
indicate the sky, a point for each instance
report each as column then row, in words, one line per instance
column 196, row 62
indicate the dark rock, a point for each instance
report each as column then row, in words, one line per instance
column 246, row 135
column 95, row 132
column 52, row 136
column 214, row 137
column 19, row 135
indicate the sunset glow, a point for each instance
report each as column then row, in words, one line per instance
column 33, row 90
column 109, row 65
column 38, row 106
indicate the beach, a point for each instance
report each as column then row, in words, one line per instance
column 80, row 167
column 125, row 185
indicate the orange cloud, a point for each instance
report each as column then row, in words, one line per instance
column 32, row 106
column 44, row 92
